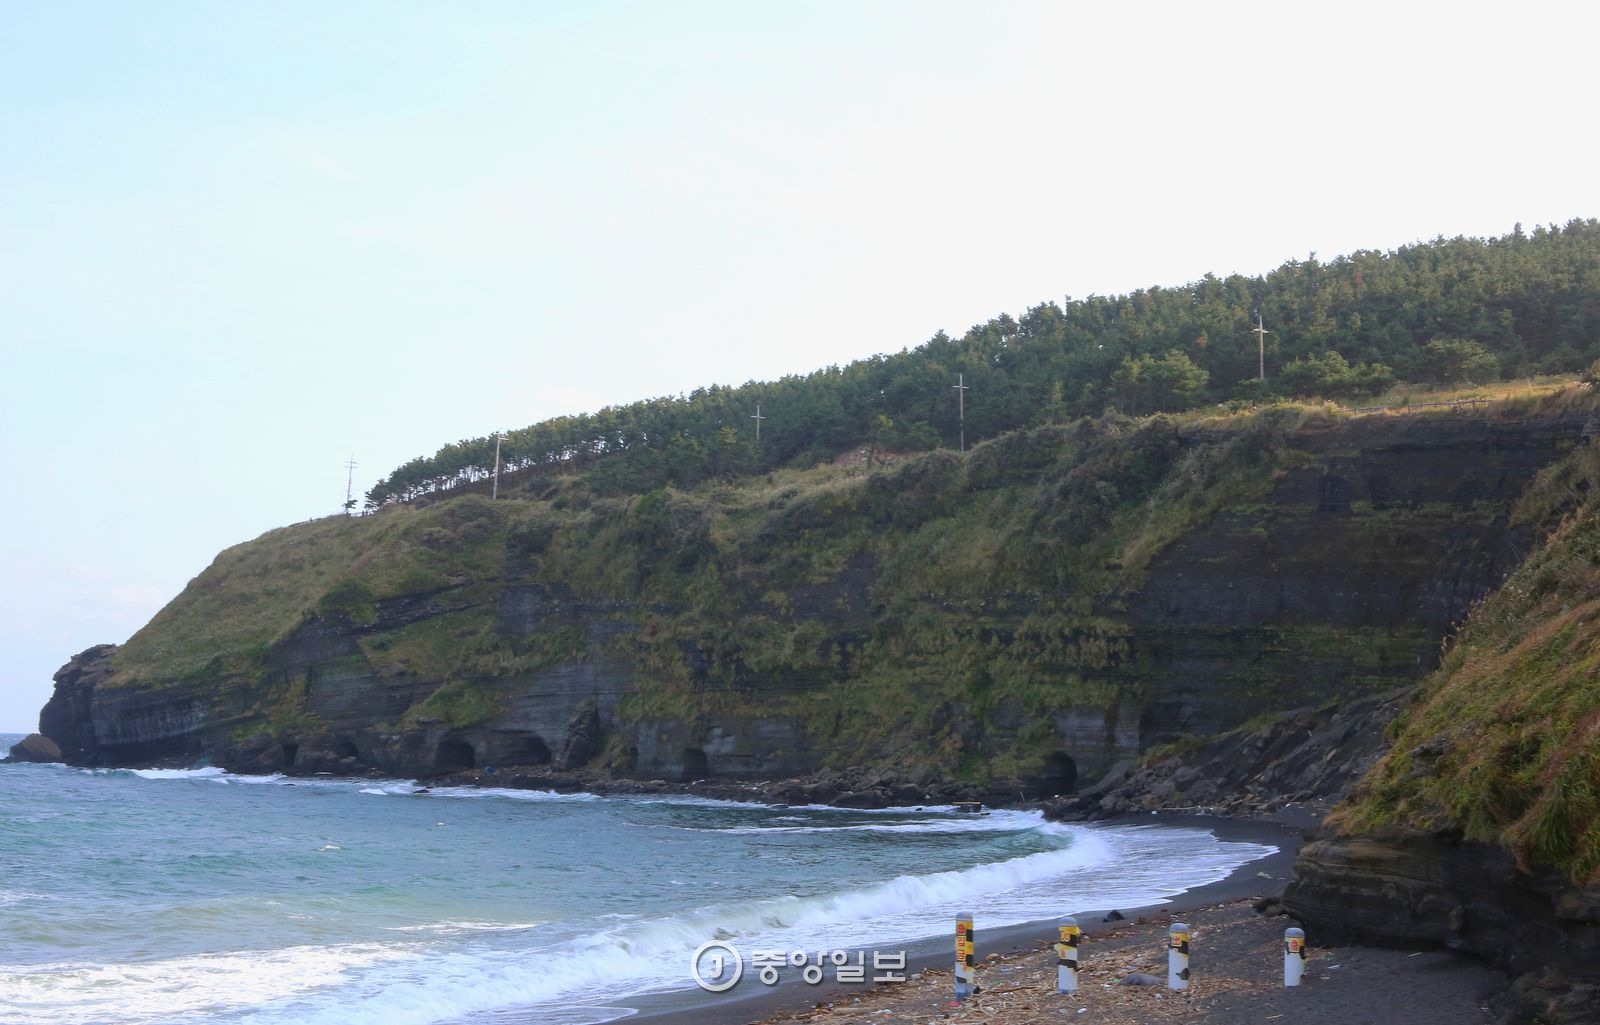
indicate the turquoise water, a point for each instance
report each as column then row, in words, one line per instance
column 202, row 897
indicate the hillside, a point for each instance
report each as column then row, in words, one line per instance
column 1036, row 609
column 1449, row 312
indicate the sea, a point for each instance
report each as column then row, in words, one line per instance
column 199, row 896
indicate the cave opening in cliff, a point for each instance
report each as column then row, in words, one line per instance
column 344, row 747
column 695, row 765
column 534, row 752
column 1060, row 774
column 453, row 755
column 289, row 751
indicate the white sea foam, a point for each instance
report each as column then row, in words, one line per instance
column 466, row 927
column 632, row 957
column 993, row 823
column 209, row 772
column 513, row 794
column 691, row 801
column 455, row 984
column 168, row 989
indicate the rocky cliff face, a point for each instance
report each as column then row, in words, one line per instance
column 1339, row 576
column 1477, row 828
column 1292, row 767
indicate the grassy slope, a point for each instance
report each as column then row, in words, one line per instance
column 1037, row 534
column 255, row 594
column 1503, row 742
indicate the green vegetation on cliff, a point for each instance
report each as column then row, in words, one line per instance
column 947, row 610
column 1445, row 313
column 254, row 595
column 1503, row 741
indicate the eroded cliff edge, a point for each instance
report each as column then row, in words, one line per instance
column 1036, row 611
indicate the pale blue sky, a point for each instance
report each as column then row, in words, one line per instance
column 240, row 243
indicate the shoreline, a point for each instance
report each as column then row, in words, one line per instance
column 751, row 1001
column 746, row 1003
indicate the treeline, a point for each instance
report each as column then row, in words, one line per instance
column 1448, row 311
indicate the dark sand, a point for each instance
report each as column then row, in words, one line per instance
column 1237, row 964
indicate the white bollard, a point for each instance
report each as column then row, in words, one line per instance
column 1067, row 956
column 1294, row 956
column 1178, row 956
column 966, row 974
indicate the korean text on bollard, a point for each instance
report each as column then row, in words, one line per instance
column 1294, row 956
column 965, row 972
column 1178, row 956
column 1067, row 956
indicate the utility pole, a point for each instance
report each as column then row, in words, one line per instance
column 349, row 484
column 494, row 491
column 961, row 404
column 1261, row 340
column 758, row 418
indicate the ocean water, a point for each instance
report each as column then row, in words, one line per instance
column 156, row 896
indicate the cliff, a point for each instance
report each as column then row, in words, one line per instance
column 1480, row 827
column 1037, row 610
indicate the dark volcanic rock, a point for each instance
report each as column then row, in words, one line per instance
column 583, row 737
column 1308, row 758
column 1412, row 889
column 1550, row 998
column 34, row 748
column 68, row 717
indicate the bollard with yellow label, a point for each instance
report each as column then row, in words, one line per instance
column 1178, row 956
column 1067, row 956
column 1294, row 956
column 966, row 973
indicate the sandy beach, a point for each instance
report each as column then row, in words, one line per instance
column 1237, row 968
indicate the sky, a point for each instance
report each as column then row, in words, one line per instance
column 242, row 244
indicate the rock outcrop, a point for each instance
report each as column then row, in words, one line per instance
column 1406, row 888
column 70, row 717
column 1295, row 765
column 34, row 748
